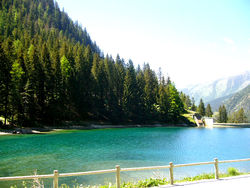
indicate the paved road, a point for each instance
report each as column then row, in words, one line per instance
column 237, row 181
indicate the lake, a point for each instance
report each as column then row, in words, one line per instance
column 85, row 150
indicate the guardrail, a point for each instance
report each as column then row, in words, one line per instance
column 118, row 170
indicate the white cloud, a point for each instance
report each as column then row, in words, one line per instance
column 228, row 40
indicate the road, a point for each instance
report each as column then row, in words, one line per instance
column 237, row 181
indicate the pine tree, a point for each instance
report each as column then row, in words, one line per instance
column 193, row 107
column 130, row 92
column 141, row 95
column 201, row 108
column 238, row 117
column 188, row 102
column 28, row 103
column 222, row 114
column 163, row 100
column 209, row 112
column 5, row 81
column 65, row 68
column 83, row 86
column 36, row 74
column 150, row 90
column 16, row 87
column 241, row 117
column 224, row 110
column 48, row 74
column 112, row 107
column 176, row 105
column 183, row 98
column 56, row 67
column 120, row 76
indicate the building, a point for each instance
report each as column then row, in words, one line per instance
column 209, row 121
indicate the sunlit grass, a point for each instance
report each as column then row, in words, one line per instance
column 189, row 116
column 151, row 182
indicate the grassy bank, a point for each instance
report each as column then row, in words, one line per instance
column 151, row 182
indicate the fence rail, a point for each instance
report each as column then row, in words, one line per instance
column 118, row 170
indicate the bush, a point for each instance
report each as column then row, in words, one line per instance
column 151, row 182
column 233, row 171
column 200, row 177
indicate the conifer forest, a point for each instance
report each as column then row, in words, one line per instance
column 52, row 71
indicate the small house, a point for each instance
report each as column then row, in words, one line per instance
column 209, row 121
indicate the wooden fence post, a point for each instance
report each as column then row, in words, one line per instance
column 216, row 167
column 171, row 173
column 55, row 181
column 118, row 181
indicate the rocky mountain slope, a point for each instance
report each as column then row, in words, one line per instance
column 239, row 100
column 220, row 88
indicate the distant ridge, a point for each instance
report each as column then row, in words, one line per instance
column 220, row 88
column 239, row 100
column 215, row 104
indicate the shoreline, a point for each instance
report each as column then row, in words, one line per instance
column 46, row 130
column 231, row 125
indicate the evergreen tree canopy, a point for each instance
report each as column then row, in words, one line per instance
column 201, row 108
column 238, row 117
column 52, row 71
column 193, row 106
column 209, row 112
column 222, row 114
column 186, row 101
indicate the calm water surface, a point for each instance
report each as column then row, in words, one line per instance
column 84, row 150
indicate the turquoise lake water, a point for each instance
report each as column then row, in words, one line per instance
column 85, row 150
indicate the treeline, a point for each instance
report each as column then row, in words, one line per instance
column 238, row 116
column 222, row 116
column 51, row 71
column 200, row 109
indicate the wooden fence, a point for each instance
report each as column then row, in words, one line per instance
column 118, row 170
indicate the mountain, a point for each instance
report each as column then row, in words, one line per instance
column 234, row 102
column 220, row 88
column 239, row 100
column 40, row 18
column 216, row 103
column 52, row 72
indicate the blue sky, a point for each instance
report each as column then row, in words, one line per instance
column 193, row 41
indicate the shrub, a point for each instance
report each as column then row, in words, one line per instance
column 233, row 171
column 152, row 182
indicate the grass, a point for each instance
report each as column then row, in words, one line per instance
column 230, row 172
column 151, row 182
column 189, row 116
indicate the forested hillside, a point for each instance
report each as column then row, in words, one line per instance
column 240, row 100
column 51, row 71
